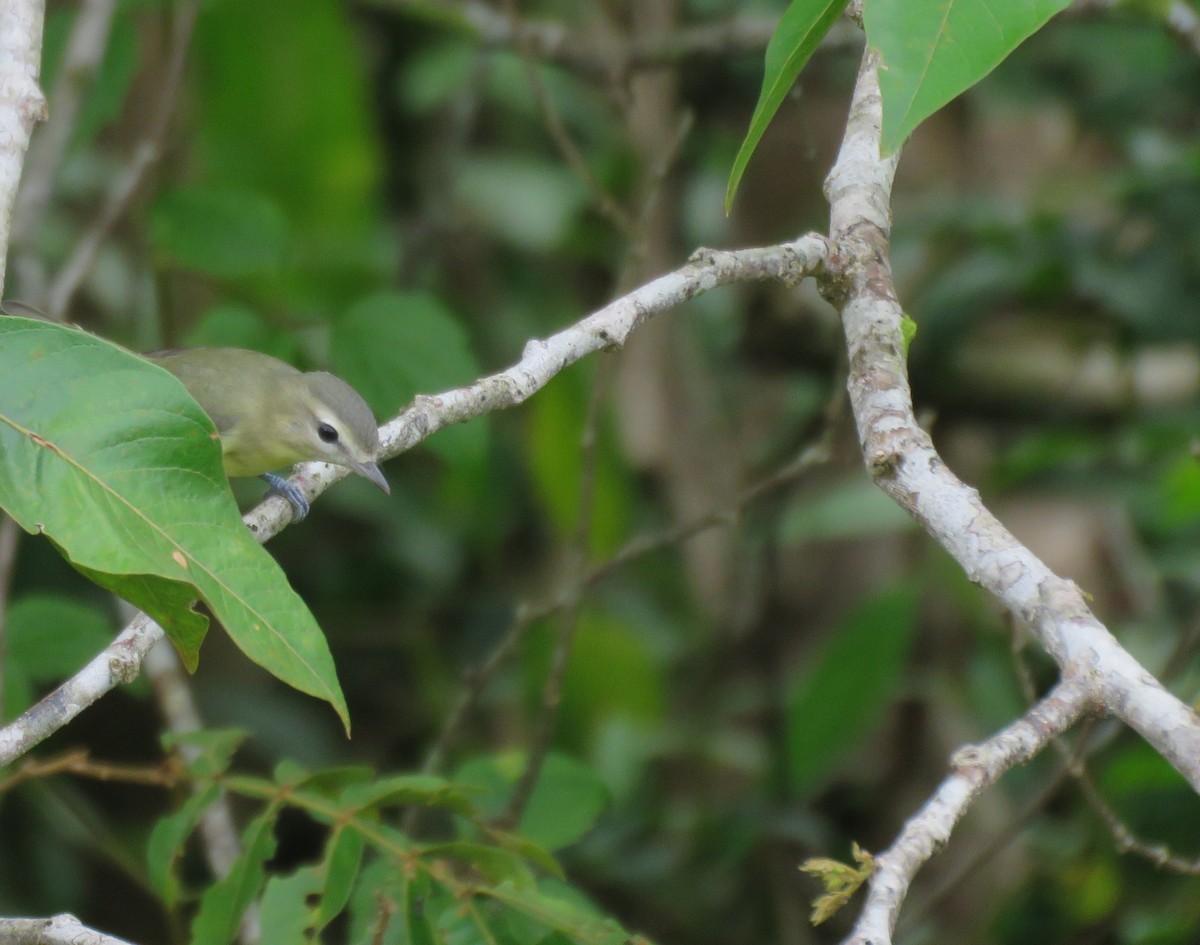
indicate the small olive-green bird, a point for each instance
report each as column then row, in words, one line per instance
column 270, row 415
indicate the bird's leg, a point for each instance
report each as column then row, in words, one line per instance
column 280, row 486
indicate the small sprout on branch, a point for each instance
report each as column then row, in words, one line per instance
column 908, row 330
column 841, row 881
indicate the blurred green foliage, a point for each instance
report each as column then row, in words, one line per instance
column 366, row 187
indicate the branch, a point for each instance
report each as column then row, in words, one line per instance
column 84, row 53
column 145, row 156
column 607, row 328
column 553, row 42
column 60, row 930
column 901, row 458
column 22, row 103
column 118, row 663
column 976, row 768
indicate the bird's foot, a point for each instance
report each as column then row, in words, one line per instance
column 280, row 486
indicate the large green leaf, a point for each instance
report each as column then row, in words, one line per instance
column 109, row 457
column 934, row 50
column 226, row 231
column 50, row 638
column 566, row 802
column 165, row 847
column 798, row 34
column 848, row 687
column 286, row 912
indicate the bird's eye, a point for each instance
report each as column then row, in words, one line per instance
column 327, row 433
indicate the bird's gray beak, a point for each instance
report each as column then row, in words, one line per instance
column 372, row 471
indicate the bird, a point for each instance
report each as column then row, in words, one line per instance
column 270, row 414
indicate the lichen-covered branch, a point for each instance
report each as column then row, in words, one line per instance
column 22, row 104
column 975, row 768
column 901, row 458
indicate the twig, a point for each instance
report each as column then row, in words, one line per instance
column 145, row 156
column 84, row 53
column 80, row 764
column 975, row 768
column 555, row 43
column 604, row 202
column 22, row 103
column 60, row 930
column 1127, row 842
column 982, row 852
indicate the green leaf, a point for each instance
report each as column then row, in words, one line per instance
column 406, row 789
column 220, row 230
column 855, row 508
column 169, row 602
column 285, row 914
column 560, row 907
column 908, row 330
column 933, row 51
column 555, row 460
column 166, row 844
column 800, row 31
column 50, row 638
column 392, row 345
column 238, row 326
column 306, row 136
column 566, row 801
column 343, row 857
column 108, row 456
column 845, row 693
column 374, row 900
column 528, row 850
column 420, row 931
column 208, row 751
column 105, row 96
column 224, row 901
column 498, row 865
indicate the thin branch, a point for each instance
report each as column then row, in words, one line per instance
column 976, row 768
column 603, row 201
column 145, row 156
column 117, row 664
column 80, row 764
column 1127, row 842
column 60, row 930
column 607, row 328
column 22, row 103
column 84, row 53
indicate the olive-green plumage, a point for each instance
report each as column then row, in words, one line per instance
column 270, row 415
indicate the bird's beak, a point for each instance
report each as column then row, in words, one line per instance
column 372, row 471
